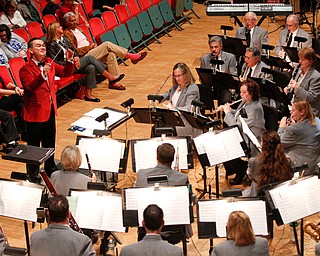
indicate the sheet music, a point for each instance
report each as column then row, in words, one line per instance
column 207, row 211
column 220, row 147
column 145, row 152
column 104, row 154
column 174, row 201
column 99, row 211
column 18, row 201
column 297, row 200
column 249, row 133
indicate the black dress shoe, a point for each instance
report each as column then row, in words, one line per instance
column 238, row 179
column 117, row 79
column 92, row 100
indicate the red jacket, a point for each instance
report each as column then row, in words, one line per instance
column 38, row 93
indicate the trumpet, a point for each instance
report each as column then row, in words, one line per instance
column 313, row 230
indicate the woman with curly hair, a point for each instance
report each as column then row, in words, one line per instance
column 270, row 166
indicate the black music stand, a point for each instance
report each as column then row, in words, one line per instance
column 292, row 53
column 274, row 61
column 199, row 121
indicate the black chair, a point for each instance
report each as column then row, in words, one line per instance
column 270, row 117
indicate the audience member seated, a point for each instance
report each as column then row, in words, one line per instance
column 300, row 136
column 59, row 239
column 270, row 166
column 70, row 6
column 253, row 117
column 287, row 37
column 12, row 17
column 180, row 96
column 107, row 52
column 12, row 44
column 8, row 131
column 306, row 83
column 28, row 11
column 70, row 177
column 152, row 244
column 56, row 48
column 241, row 239
column 253, row 34
column 50, row 8
column 102, row 6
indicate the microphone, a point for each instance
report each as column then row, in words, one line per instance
column 300, row 39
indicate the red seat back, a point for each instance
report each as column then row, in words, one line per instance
column 144, row 4
column 48, row 19
column 122, row 13
column 97, row 28
column 133, row 7
column 15, row 65
column 34, row 29
column 109, row 19
column 22, row 32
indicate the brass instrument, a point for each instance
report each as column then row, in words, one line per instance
column 313, row 230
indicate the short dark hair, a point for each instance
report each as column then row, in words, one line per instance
column 4, row 27
column 30, row 43
column 256, row 52
column 153, row 217
column 58, row 207
column 252, row 87
column 165, row 153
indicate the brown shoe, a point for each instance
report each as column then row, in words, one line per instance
column 117, row 86
column 143, row 55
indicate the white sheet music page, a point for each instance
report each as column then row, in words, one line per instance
column 104, row 154
column 207, row 211
column 18, row 201
column 251, row 136
column 132, row 198
column 112, row 214
column 256, row 210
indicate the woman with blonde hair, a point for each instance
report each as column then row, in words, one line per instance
column 241, row 239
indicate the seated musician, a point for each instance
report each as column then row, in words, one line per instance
column 254, row 118
column 253, row 34
column 300, row 137
column 305, row 83
column 287, row 36
column 152, row 243
column 59, row 239
column 270, row 166
column 181, row 95
column 241, row 238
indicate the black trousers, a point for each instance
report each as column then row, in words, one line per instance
column 14, row 102
column 42, row 134
column 8, row 130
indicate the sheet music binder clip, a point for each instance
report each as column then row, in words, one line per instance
column 231, row 200
column 127, row 105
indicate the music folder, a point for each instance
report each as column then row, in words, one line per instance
column 29, row 154
column 274, row 61
column 292, row 53
column 213, row 215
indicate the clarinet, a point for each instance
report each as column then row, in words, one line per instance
column 291, row 92
column 89, row 166
column 72, row 222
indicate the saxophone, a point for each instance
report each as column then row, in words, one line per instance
column 72, row 222
column 313, row 230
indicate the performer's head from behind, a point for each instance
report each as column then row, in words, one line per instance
column 249, row 90
column 182, row 75
column 302, row 110
column 215, row 44
column 153, row 219
column 165, row 154
column 58, row 207
column 5, row 33
column 239, row 229
column 36, row 49
column 252, row 56
column 70, row 20
column 250, row 19
column 307, row 57
column 71, row 158
column 292, row 23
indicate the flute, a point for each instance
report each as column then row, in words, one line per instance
column 220, row 107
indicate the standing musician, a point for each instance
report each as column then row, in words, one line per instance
column 254, row 35
column 305, row 82
column 59, row 239
column 287, row 36
column 40, row 104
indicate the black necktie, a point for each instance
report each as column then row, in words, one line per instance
column 41, row 64
column 290, row 40
column 250, row 73
column 248, row 37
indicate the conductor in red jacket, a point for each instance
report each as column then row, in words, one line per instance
column 40, row 104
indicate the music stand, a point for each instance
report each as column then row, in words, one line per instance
column 199, row 121
column 274, row 61
column 292, row 53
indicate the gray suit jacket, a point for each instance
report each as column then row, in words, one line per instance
column 283, row 38
column 301, row 142
column 229, row 66
column 259, row 36
column 151, row 245
column 60, row 240
column 257, row 72
column 310, row 90
column 228, row 248
column 174, row 178
column 317, row 249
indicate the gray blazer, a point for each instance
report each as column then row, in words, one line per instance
column 60, row 240
column 151, row 244
column 253, row 173
column 317, row 249
column 257, row 72
column 174, row 178
column 229, row 66
column 259, row 36
column 283, row 38
column 301, row 142
column 228, row 248
column 310, row 90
